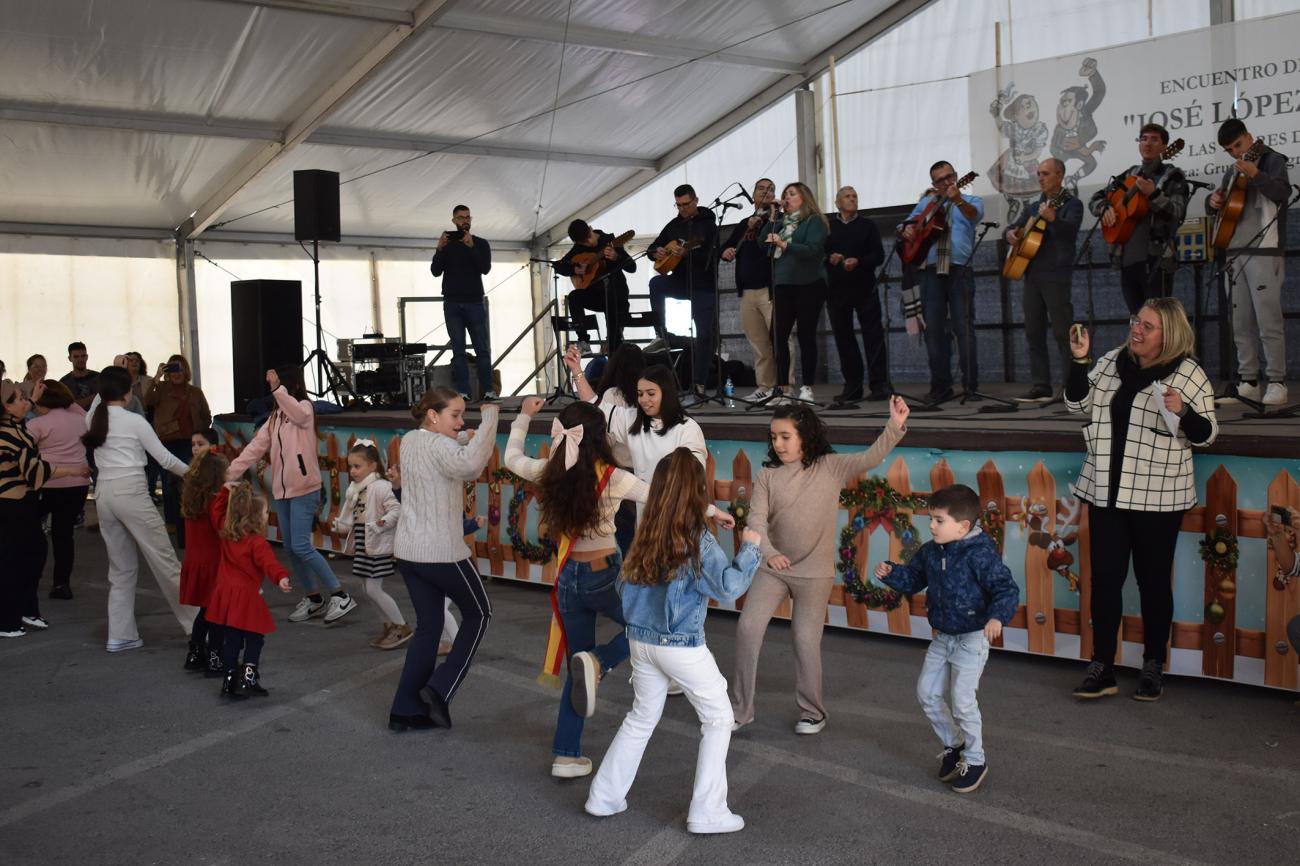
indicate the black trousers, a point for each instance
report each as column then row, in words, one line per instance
column 63, row 505
column 1143, row 281
column 1148, row 538
column 236, row 639
column 842, row 305
column 802, row 306
column 23, row 544
column 429, row 583
column 594, row 298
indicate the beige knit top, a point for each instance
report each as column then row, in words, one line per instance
column 795, row 508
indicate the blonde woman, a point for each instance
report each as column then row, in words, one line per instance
column 798, row 242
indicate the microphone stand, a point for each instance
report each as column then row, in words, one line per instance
column 557, row 393
column 1002, row 404
column 716, row 348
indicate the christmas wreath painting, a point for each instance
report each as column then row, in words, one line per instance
column 515, row 520
column 873, row 503
column 1220, row 551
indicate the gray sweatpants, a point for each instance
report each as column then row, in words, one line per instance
column 1257, row 316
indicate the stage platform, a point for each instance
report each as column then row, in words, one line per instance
column 1229, row 623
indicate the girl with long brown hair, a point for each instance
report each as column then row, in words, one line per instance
column 674, row 567
column 202, row 487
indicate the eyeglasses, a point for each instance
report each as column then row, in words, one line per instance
column 1147, row 327
column 681, row 205
column 947, row 178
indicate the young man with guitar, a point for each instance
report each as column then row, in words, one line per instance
column 597, row 263
column 946, row 293
column 683, row 255
column 1254, row 193
column 853, row 252
column 1146, row 260
column 1054, row 225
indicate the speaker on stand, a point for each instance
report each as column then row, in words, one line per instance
column 316, row 219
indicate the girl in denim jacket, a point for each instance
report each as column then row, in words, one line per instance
column 673, row 568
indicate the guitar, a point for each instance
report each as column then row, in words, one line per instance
column 1130, row 205
column 593, row 263
column 1234, row 199
column 1031, row 240
column 928, row 225
column 674, row 252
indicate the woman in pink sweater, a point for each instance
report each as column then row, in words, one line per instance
column 58, row 433
column 288, row 438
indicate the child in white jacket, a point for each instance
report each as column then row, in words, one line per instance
column 368, row 518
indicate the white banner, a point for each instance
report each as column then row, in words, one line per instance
column 1086, row 109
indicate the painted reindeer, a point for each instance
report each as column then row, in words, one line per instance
column 1055, row 542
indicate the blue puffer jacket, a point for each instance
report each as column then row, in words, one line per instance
column 672, row 613
column 966, row 583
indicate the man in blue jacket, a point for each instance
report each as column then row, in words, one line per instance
column 969, row 595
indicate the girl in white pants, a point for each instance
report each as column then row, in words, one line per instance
column 128, row 520
column 672, row 570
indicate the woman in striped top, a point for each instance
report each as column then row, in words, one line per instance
column 22, row 474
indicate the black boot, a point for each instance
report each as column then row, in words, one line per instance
column 249, row 684
column 230, row 686
column 216, row 667
column 194, row 660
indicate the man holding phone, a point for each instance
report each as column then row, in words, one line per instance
column 461, row 260
column 180, row 409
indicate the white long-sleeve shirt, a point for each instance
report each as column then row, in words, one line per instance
column 647, row 448
column 130, row 438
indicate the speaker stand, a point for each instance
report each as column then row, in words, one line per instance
column 329, row 378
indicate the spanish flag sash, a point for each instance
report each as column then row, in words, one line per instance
column 557, row 642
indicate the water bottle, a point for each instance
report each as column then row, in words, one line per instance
column 729, row 391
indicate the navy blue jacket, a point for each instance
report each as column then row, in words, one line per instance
column 966, row 583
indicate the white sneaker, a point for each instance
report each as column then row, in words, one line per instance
column 736, row 726
column 805, row 393
column 584, row 672
column 675, row 688
column 119, row 645
column 729, row 823
column 1247, row 390
column 306, row 609
column 15, row 633
column 810, row 726
column 37, row 622
column 490, row 397
column 570, row 768
column 1274, row 395
column 340, row 607
column 760, row 394
column 591, row 807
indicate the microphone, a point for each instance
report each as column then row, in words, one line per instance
column 726, row 205
column 1198, row 184
column 746, row 195
column 989, row 225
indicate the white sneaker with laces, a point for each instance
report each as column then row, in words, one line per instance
column 37, row 622
column 810, row 726
column 1275, row 394
column 1247, row 390
column 759, row 394
column 340, row 607
column 306, row 609
column 15, row 633
column 806, row 393
column 729, row 823
column 120, row 644
column 490, row 397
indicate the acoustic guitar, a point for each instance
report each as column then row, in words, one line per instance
column 1234, row 199
column 593, row 263
column 928, row 225
column 674, row 252
column 1129, row 204
column 1031, row 240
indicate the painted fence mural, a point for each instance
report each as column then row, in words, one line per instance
column 1231, row 600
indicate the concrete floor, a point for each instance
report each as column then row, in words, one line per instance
column 128, row 759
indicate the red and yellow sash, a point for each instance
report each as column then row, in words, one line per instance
column 557, row 642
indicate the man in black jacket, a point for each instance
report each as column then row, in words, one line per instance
column 1048, row 278
column 461, row 260
column 694, row 279
column 1258, row 270
column 853, row 252
column 608, row 292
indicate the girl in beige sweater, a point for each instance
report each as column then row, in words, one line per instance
column 795, row 510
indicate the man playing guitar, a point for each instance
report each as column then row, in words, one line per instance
column 1147, row 262
column 1048, row 278
column 694, row 279
column 608, row 292
column 1258, row 269
column 945, row 290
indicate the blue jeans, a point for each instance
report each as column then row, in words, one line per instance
column 946, row 305
column 583, row 593
column 310, row 569
column 700, row 292
column 946, row 689
column 474, row 318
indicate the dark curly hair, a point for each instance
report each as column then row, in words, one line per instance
column 624, row 369
column 671, row 412
column 813, row 435
column 569, row 504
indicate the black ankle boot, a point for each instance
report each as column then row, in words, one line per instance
column 230, row 686
column 249, row 684
column 194, row 660
column 216, row 667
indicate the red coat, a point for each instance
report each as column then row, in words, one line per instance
column 203, row 552
column 237, row 599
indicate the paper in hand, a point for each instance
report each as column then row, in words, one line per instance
column 1172, row 420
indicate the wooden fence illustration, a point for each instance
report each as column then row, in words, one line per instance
column 1050, row 520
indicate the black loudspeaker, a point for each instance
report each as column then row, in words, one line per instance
column 265, row 332
column 316, row 205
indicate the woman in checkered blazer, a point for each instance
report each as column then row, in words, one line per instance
column 1148, row 403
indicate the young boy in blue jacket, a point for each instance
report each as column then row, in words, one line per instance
column 969, row 595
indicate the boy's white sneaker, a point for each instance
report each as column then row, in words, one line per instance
column 729, row 823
